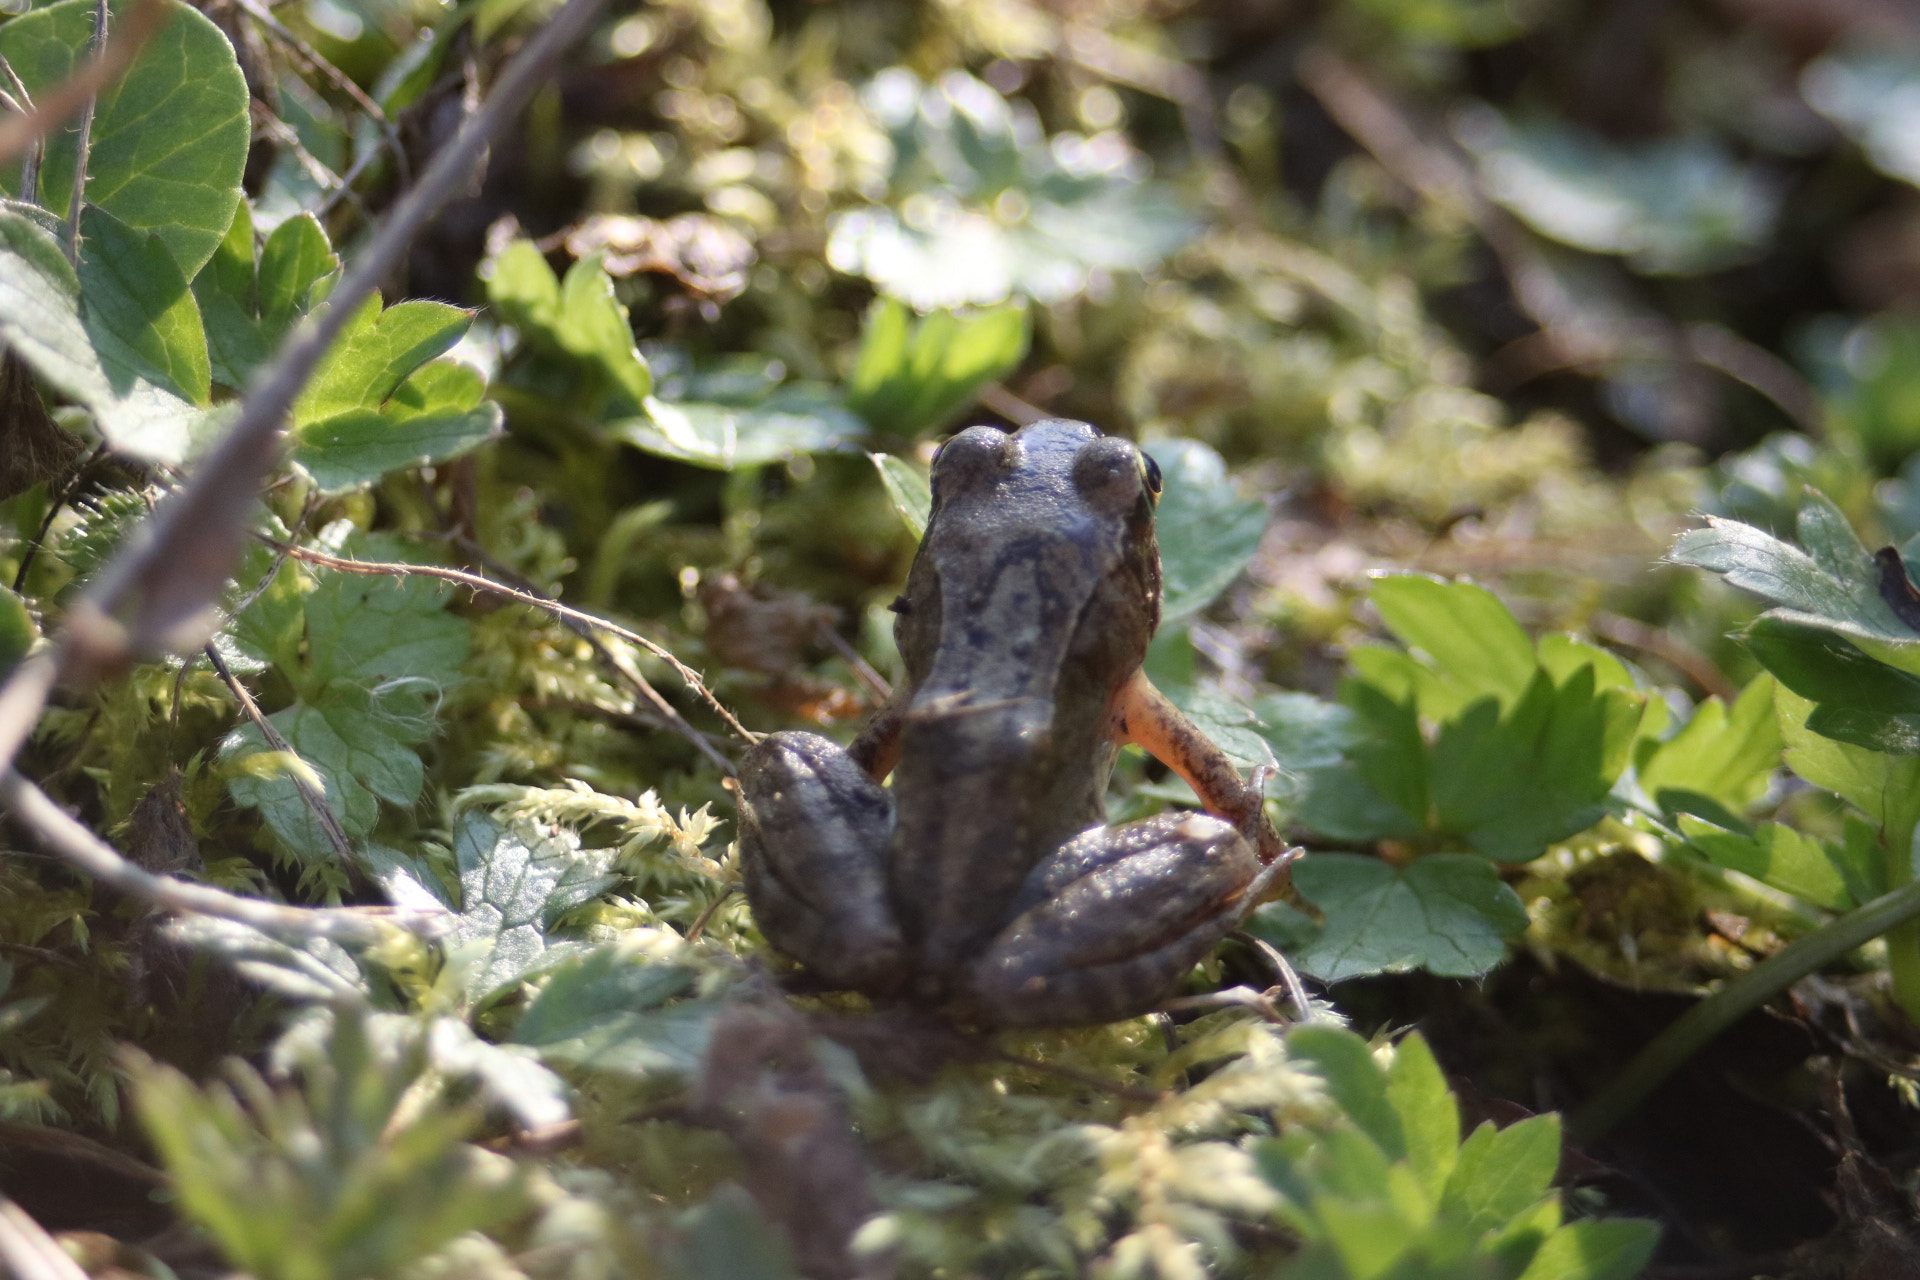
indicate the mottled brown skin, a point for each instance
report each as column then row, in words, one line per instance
column 986, row 882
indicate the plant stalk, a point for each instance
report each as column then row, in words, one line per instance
column 1694, row 1029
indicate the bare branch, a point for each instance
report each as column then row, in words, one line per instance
column 67, row 838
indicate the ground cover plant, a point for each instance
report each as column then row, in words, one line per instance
column 438, row 439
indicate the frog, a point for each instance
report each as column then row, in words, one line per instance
column 985, row 882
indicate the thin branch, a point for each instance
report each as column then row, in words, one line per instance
column 67, row 838
column 195, row 535
column 21, row 132
column 316, row 803
column 83, row 140
column 566, row 613
column 1693, row 1030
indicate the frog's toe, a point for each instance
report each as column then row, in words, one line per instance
column 1115, row 935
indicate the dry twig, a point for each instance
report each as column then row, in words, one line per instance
column 66, row 837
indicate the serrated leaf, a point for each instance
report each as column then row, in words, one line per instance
column 139, row 312
column 1381, row 789
column 1502, row 1172
column 378, row 350
column 1354, row 1080
column 1596, row 1249
column 367, row 629
column 514, row 882
column 356, row 742
column 249, row 307
column 1513, row 784
column 436, row 414
column 793, row 420
column 593, row 325
column 1207, row 532
column 1726, row 753
column 1447, row 913
column 169, row 137
column 1795, row 863
column 1473, row 641
column 908, row 489
column 1862, row 701
column 41, row 320
column 914, row 375
column 1429, row 1117
column 587, row 990
column 1757, row 561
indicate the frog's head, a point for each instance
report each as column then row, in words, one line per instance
column 1039, row 561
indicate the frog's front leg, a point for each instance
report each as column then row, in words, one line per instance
column 814, row 833
column 1107, row 926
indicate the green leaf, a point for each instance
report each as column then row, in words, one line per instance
column 1726, row 753
column 250, row 307
column 1381, row 789
column 1370, row 1238
column 1843, row 598
column 1207, row 533
column 1674, row 205
column 364, row 628
column 358, row 746
column 994, row 215
column 17, row 629
column 1597, row 1249
column 579, row 319
column 1501, row 1173
column 514, row 882
column 914, row 375
column 1447, row 913
column 41, row 320
column 1827, row 876
column 139, row 311
column 1354, row 1081
column 908, row 489
column 584, row 991
column 378, row 350
column 1512, row 785
column 1429, row 1117
column 793, row 420
column 1885, row 788
column 1862, row 701
column 1473, row 641
column 438, row 413
column 169, row 136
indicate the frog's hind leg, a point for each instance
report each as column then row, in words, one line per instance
column 1107, row 926
column 814, row 832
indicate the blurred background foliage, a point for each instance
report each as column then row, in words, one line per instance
column 1497, row 288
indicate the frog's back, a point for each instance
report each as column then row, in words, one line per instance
column 1032, row 600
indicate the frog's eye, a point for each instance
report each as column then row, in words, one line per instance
column 1150, row 473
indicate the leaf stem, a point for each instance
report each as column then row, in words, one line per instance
column 1694, row 1029
column 83, row 140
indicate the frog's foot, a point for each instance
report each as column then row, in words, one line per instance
column 813, row 838
column 1108, row 926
